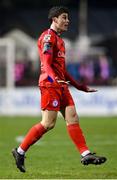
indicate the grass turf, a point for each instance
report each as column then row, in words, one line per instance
column 55, row 156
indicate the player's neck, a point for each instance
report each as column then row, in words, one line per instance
column 55, row 29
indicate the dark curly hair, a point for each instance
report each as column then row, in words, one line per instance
column 56, row 11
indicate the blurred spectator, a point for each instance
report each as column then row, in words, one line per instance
column 25, row 74
column 92, row 70
column 104, row 69
column 86, row 71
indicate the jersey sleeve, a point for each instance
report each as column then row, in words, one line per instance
column 47, row 44
column 74, row 83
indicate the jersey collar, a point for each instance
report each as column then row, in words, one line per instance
column 54, row 32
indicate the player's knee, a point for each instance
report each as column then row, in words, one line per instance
column 72, row 119
column 48, row 124
column 51, row 126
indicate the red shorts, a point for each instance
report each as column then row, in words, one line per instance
column 55, row 99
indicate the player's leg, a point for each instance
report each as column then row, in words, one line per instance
column 74, row 130
column 50, row 105
column 76, row 134
column 34, row 134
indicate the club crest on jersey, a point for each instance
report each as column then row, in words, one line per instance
column 61, row 54
column 47, row 37
column 55, row 103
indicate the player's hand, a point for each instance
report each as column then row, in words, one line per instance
column 88, row 89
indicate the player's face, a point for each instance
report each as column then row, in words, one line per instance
column 62, row 22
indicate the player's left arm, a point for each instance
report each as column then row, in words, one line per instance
column 77, row 85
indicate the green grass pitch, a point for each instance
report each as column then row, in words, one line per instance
column 55, row 156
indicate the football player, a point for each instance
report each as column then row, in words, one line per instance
column 55, row 95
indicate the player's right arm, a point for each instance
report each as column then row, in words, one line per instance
column 47, row 45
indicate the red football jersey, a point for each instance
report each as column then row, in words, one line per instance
column 53, row 44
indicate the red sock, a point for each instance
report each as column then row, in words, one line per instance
column 77, row 137
column 32, row 136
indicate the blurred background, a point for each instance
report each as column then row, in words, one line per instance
column 91, row 45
